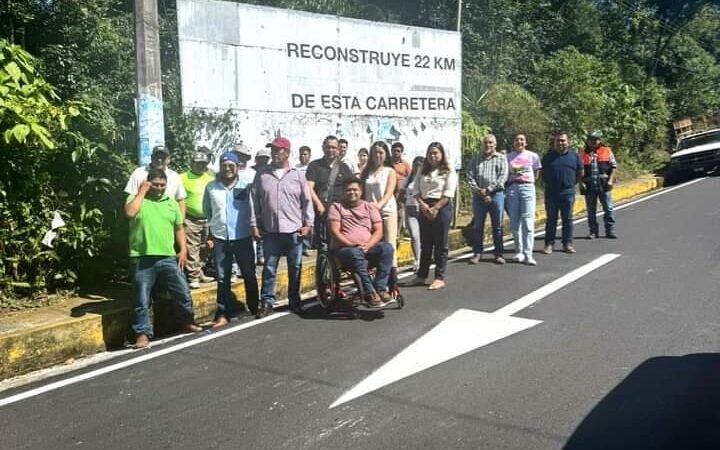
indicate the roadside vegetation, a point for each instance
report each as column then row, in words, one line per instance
column 67, row 119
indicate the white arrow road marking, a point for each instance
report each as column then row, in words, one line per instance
column 464, row 331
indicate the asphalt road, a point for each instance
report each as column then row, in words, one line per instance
column 625, row 357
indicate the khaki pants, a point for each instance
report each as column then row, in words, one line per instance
column 196, row 233
column 390, row 232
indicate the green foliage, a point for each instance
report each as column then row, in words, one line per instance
column 50, row 167
column 510, row 109
column 27, row 111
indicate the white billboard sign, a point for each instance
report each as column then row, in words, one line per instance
column 305, row 76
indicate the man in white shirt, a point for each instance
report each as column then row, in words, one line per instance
column 345, row 156
column 159, row 159
column 304, row 156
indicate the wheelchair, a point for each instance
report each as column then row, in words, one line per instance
column 337, row 287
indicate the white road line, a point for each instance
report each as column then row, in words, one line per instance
column 538, row 294
column 131, row 362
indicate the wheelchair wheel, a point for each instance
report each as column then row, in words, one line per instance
column 400, row 301
column 325, row 281
column 358, row 285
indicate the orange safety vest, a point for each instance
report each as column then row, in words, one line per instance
column 605, row 160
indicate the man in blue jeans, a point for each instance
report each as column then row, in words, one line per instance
column 281, row 214
column 356, row 229
column 226, row 205
column 487, row 174
column 561, row 170
column 599, row 166
column 156, row 226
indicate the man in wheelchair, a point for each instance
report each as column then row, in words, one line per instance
column 356, row 231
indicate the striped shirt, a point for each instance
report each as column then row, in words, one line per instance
column 488, row 172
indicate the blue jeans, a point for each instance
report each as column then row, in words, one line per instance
column 480, row 211
column 379, row 256
column 145, row 272
column 520, row 204
column 259, row 252
column 434, row 242
column 242, row 250
column 275, row 245
column 591, row 198
column 561, row 202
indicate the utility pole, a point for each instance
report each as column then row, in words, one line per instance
column 458, row 199
column 148, row 104
column 459, row 15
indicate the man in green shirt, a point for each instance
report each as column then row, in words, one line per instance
column 156, row 225
column 196, row 224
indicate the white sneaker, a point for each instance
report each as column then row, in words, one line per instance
column 519, row 257
column 206, row 279
column 194, row 284
column 530, row 261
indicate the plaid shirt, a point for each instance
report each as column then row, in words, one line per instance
column 488, row 172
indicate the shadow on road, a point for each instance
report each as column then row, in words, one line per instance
column 342, row 311
column 665, row 403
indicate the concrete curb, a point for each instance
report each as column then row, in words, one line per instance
column 36, row 339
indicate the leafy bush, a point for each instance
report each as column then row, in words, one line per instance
column 50, row 167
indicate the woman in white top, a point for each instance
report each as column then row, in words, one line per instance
column 434, row 188
column 412, row 212
column 379, row 181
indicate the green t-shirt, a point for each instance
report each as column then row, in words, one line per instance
column 195, row 187
column 152, row 230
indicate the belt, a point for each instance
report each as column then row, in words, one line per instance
column 521, row 182
column 199, row 219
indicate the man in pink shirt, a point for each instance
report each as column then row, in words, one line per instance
column 356, row 229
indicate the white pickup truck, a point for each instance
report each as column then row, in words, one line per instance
column 696, row 154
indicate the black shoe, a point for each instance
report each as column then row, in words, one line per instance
column 265, row 310
column 611, row 235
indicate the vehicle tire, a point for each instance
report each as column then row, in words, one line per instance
column 325, row 281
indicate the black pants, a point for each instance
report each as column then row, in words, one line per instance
column 434, row 241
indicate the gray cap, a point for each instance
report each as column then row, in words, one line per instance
column 263, row 152
column 242, row 149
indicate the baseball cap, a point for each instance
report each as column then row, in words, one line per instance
column 263, row 152
column 595, row 134
column 229, row 156
column 161, row 149
column 242, row 149
column 280, row 142
column 200, row 156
